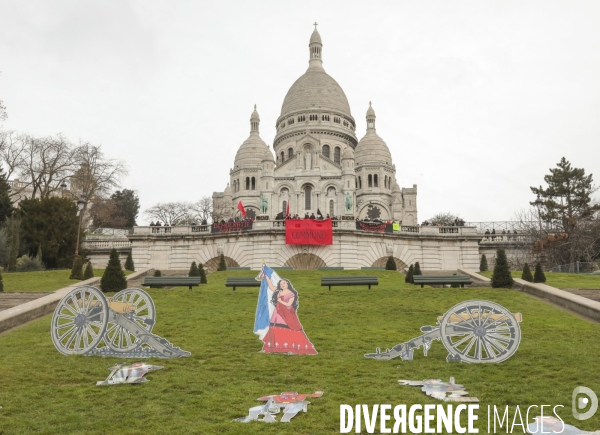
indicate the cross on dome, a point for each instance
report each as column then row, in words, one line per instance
column 316, row 24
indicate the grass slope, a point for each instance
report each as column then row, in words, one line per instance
column 44, row 392
column 561, row 280
column 42, row 281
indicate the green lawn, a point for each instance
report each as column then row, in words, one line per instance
column 561, row 280
column 42, row 281
column 44, row 392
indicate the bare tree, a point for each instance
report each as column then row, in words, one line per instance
column 96, row 175
column 174, row 213
column 203, row 209
column 221, row 210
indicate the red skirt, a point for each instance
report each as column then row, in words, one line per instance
column 284, row 340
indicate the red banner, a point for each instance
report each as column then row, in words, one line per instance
column 308, row 232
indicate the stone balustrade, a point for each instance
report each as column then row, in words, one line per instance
column 106, row 243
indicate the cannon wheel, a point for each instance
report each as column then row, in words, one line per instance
column 79, row 321
column 480, row 332
column 119, row 338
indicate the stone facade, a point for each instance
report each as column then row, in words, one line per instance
column 319, row 161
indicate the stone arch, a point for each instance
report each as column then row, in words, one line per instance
column 305, row 261
column 381, row 262
column 211, row 265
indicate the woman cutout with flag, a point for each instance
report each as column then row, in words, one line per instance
column 276, row 321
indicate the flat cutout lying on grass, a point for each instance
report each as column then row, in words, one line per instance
column 554, row 425
column 439, row 390
column 276, row 322
column 85, row 322
column 291, row 402
column 132, row 374
column 472, row 331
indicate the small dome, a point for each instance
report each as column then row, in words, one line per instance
column 348, row 153
column 396, row 188
column 315, row 37
column 251, row 152
column 268, row 155
column 371, row 148
column 370, row 111
column 227, row 191
column 254, row 116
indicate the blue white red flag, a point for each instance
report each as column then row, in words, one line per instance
column 264, row 308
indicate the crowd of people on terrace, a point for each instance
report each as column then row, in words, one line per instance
column 492, row 234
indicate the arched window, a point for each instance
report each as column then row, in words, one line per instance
column 290, row 153
column 326, row 151
column 375, row 181
column 282, row 157
column 331, row 208
column 336, row 154
column 370, row 180
column 307, row 197
column 359, row 183
column 254, row 183
column 247, row 183
column 284, row 207
column 385, row 181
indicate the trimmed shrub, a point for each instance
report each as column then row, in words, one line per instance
column 157, row 273
column 222, row 265
column 89, row 271
column 194, row 271
column 77, row 270
column 129, row 263
column 539, row 276
column 483, row 266
column 501, row 278
column 409, row 274
column 391, row 263
column 527, row 276
column 418, row 269
column 202, row 273
column 113, row 279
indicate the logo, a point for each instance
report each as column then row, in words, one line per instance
column 581, row 403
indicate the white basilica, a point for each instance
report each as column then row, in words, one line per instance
column 318, row 158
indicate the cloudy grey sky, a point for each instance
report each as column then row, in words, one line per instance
column 476, row 99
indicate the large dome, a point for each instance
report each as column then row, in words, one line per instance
column 315, row 89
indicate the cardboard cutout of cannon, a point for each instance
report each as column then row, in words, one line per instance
column 291, row 402
column 85, row 322
column 473, row 331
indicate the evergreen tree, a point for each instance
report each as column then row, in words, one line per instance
column 129, row 263
column 157, row 273
column 13, row 236
column 89, row 271
column 39, row 253
column 202, row 273
column 483, row 266
column 77, row 270
column 1, row 283
column 113, row 279
column 6, row 207
column 418, row 269
column 194, row 271
column 391, row 263
column 222, row 264
column 539, row 276
column 527, row 276
column 409, row 274
column 501, row 278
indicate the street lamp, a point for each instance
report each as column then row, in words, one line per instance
column 539, row 204
column 80, row 206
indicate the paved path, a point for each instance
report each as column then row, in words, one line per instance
column 12, row 299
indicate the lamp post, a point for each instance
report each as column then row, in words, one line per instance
column 539, row 204
column 80, row 206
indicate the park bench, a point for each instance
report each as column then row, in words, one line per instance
column 171, row 281
column 372, row 268
column 331, row 268
column 348, row 280
column 238, row 268
column 242, row 282
column 439, row 279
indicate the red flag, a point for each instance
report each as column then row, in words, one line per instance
column 241, row 208
column 287, row 209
